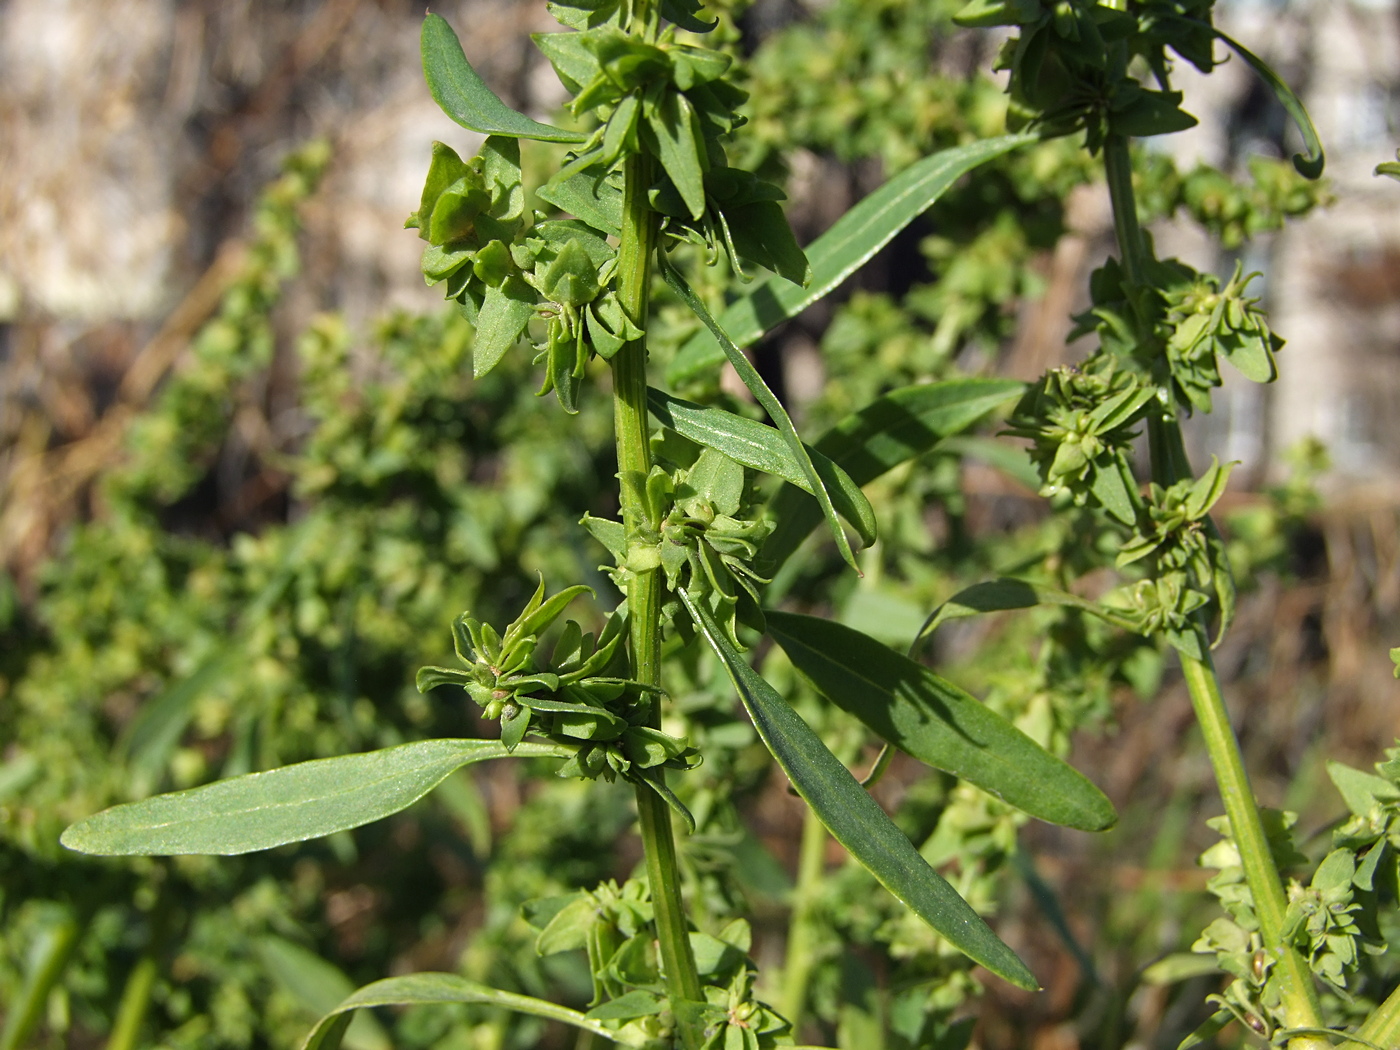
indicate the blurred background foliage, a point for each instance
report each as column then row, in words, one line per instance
column 230, row 539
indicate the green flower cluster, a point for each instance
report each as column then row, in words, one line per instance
column 502, row 273
column 1079, row 421
column 570, row 699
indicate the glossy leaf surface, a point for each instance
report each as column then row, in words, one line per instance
column 291, row 804
column 464, row 96
column 842, row 250
column 761, row 447
column 936, row 722
column 854, row 818
column 890, row 430
column 426, row 989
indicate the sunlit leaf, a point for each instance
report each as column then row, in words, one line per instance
column 291, row 804
column 771, row 405
column 890, row 430
column 464, row 96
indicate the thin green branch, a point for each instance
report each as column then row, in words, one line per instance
column 801, row 944
column 644, row 591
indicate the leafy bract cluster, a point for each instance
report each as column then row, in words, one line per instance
column 701, row 532
column 501, row 272
column 568, row 698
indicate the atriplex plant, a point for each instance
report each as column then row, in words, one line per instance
column 695, row 547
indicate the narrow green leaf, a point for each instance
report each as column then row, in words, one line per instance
column 1005, row 594
column 761, row 447
column 1206, row 1030
column 936, row 722
column 318, row 986
column 771, row 405
column 426, row 989
column 890, row 430
column 464, row 96
column 291, row 804
column 843, row 249
column 855, row 820
column 1309, row 165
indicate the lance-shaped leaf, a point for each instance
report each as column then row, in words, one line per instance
column 936, row 722
column 854, row 818
column 464, row 96
column 1006, row 594
column 890, row 430
column 291, row 804
column 1309, row 165
column 426, row 989
column 771, row 405
column 761, row 447
column 843, row 249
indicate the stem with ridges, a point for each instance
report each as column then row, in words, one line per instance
column 1301, row 1006
column 629, row 368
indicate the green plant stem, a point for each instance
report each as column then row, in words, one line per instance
column 136, row 1000
column 644, row 589
column 1299, row 996
column 801, row 943
column 46, row 967
column 1118, row 167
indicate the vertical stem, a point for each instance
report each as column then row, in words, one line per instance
column 1118, row 166
column 1297, row 992
column 629, row 367
column 1299, row 995
column 136, row 999
column 46, row 965
column 801, row 946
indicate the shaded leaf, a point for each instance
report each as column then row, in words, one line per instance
column 1309, row 165
column 855, row 820
column 464, row 96
column 890, row 430
column 843, row 249
column 1006, row 594
column 318, row 986
column 936, row 722
column 291, row 804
